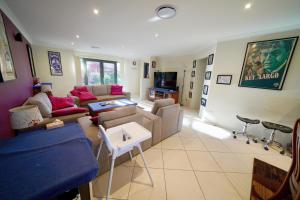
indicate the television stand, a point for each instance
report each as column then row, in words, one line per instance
column 161, row 93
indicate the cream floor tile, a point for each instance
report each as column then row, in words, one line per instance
column 188, row 132
column 215, row 145
column 238, row 146
column 153, row 158
column 242, row 183
column 130, row 163
column 216, row 186
column 182, row 185
column 172, row 142
column 120, row 183
column 157, row 146
column 229, row 162
column 193, row 144
column 142, row 190
column 176, row 159
column 247, row 159
column 203, row 161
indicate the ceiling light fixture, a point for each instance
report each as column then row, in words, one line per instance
column 96, row 11
column 248, row 6
column 77, row 36
column 72, row 43
column 156, row 35
column 165, row 11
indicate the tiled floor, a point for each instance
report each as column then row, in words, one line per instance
column 200, row 162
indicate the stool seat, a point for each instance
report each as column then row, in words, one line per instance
column 270, row 125
column 247, row 120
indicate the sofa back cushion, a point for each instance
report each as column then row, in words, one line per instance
column 87, row 96
column 116, row 90
column 161, row 103
column 42, row 101
column 99, row 90
column 117, row 113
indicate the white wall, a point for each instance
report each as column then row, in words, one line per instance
column 131, row 77
column 61, row 84
column 225, row 101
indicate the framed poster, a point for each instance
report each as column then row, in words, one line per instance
column 224, row 79
column 210, row 59
column 191, row 85
column 7, row 70
column 207, row 75
column 29, row 51
column 153, row 64
column 55, row 63
column 190, row 95
column 205, row 89
column 193, row 74
column 194, row 63
column 203, row 102
column 266, row 63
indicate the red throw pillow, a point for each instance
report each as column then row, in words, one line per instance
column 75, row 92
column 116, row 89
column 82, row 89
column 86, row 96
column 61, row 102
column 68, row 111
column 95, row 120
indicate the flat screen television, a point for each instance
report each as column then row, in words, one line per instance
column 165, row 80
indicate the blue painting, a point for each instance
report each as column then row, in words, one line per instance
column 266, row 63
column 55, row 63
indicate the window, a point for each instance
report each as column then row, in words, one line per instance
column 100, row 72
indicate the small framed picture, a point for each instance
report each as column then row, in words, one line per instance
column 191, row 85
column 153, row 64
column 224, row 79
column 205, row 89
column 207, row 75
column 55, row 63
column 190, row 94
column 210, row 59
column 203, row 102
column 193, row 74
column 194, row 63
column 29, row 51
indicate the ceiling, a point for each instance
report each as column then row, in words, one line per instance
column 124, row 27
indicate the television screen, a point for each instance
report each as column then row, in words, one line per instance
column 166, row 80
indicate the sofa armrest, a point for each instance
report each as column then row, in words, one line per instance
column 156, row 129
column 180, row 120
column 127, row 94
column 75, row 99
column 138, row 118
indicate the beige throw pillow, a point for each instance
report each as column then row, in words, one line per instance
column 42, row 101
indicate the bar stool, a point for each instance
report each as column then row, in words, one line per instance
column 244, row 131
column 274, row 127
column 120, row 140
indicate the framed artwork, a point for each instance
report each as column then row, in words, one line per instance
column 207, row 75
column 224, row 79
column 193, row 74
column 153, row 64
column 29, row 51
column 194, row 63
column 266, row 63
column 203, row 102
column 210, row 59
column 7, row 70
column 190, row 95
column 55, row 63
column 205, row 89
column 191, row 85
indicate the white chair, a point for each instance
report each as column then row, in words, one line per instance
column 113, row 138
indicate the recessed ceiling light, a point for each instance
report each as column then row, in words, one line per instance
column 156, row 35
column 248, row 6
column 77, row 36
column 165, row 11
column 96, row 11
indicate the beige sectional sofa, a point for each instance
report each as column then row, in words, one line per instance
column 102, row 92
column 164, row 120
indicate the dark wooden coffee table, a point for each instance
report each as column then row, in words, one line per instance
column 104, row 106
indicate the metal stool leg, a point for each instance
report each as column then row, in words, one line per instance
column 110, row 176
column 142, row 155
column 130, row 154
column 270, row 140
column 99, row 150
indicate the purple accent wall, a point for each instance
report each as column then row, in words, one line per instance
column 14, row 93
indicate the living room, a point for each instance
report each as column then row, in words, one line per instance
column 204, row 94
